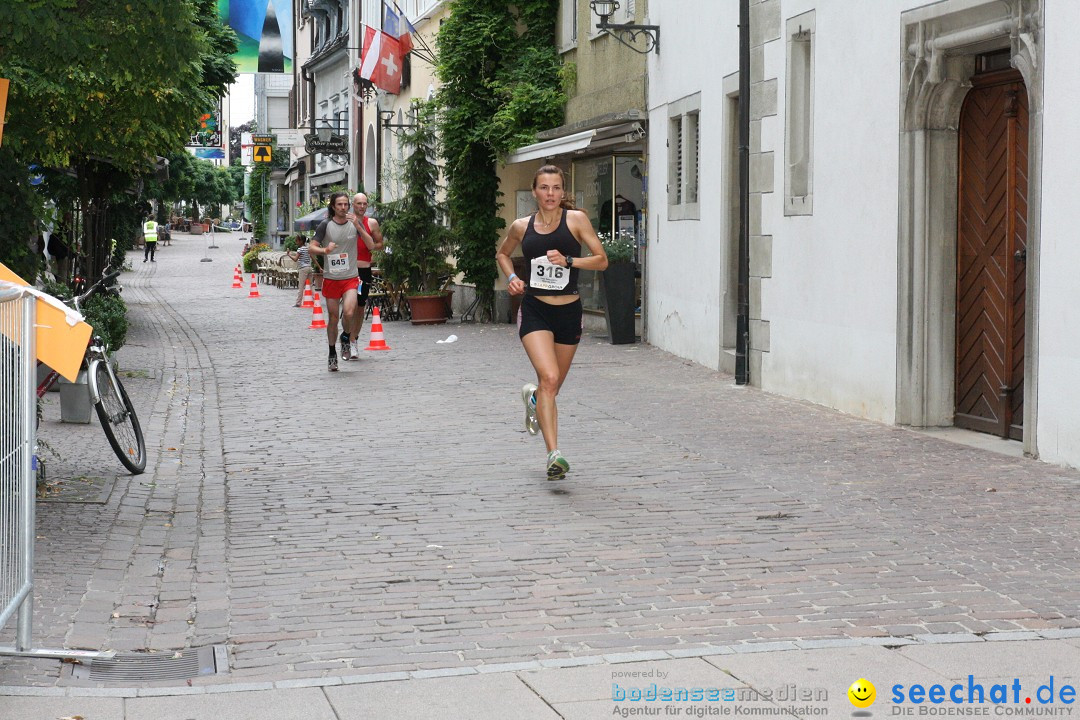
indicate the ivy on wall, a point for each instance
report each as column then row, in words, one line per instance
column 501, row 84
column 257, row 201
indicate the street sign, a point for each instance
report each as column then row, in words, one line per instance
column 245, row 149
column 336, row 145
column 262, row 139
column 289, row 137
column 261, row 153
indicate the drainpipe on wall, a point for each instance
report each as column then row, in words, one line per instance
column 378, row 152
column 742, row 322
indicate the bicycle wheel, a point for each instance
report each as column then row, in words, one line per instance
column 118, row 419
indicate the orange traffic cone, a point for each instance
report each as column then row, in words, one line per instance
column 237, row 278
column 308, row 301
column 254, row 287
column 377, row 342
column 317, row 322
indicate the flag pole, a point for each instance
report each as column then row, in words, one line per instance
column 428, row 55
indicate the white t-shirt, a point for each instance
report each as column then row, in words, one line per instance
column 341, row 263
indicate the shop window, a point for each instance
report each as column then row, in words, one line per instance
column 611, row 191
column 684, row 149
column 799, row 135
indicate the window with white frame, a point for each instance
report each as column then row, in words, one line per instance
column 684, row 151
column 799, row 133
column 567, row 39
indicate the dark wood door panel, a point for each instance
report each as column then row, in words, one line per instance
column 991, row 237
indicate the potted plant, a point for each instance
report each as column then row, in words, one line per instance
column 417, row 244
column 618, row 282
column 251, row 257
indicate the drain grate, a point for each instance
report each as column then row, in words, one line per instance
column 137, row 668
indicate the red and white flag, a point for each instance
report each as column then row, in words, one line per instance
column 380, row 60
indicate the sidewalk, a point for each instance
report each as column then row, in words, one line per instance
column 746, row 680
column 392, row 522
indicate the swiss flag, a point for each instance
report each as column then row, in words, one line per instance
column 380, row 60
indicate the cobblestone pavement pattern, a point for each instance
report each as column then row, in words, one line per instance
column 396, row 516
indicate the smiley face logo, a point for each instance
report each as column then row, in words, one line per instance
column 862, row 693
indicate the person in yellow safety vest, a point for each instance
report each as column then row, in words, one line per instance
column 150, row 240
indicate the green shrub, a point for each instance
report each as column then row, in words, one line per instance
column 619, row 248
column 107, row 314
column 251, row 257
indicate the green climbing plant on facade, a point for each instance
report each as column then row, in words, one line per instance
column 258, row 199
column 501, row 84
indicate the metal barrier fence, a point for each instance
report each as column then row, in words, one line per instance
column 18, row 418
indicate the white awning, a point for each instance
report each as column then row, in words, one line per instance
column 558, row 146
column 622, row 133
column 327, row 178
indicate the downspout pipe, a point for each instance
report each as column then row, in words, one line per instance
column 378, row 153
column 742, row 320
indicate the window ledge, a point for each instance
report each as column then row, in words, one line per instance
column 686, row 211
column 799, row 205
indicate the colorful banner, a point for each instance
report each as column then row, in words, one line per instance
column 209, row 133
column 264, row 34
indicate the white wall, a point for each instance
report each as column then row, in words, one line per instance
column 684, row 260
column 1058, row 430
column 332, row 95
column 831, row 300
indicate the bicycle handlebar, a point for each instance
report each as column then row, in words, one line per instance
column 106, row 278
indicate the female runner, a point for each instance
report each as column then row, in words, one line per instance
column 549, row 322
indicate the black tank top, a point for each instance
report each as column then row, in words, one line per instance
column 534, row 245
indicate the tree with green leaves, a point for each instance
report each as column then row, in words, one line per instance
column 103, row 88
column 501, row 84
column 194, row 181
column 417, row 243
column 257, row 201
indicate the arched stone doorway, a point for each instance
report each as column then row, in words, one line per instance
column 941, row 44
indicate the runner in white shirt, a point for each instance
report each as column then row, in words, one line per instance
column 340, row 278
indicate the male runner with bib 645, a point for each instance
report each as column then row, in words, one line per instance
column 340, row 274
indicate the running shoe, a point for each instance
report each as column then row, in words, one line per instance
column 331, row 363
column 344, row 346
column 354, row 351
column 528, row 396
column 557, row 467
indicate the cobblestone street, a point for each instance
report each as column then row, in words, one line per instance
column 396, row 515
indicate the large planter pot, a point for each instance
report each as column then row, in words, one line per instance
column 429, row 309
column 75, row 404
column 619, row 290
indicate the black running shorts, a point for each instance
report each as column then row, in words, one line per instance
column 563, row 321
column 365, row 286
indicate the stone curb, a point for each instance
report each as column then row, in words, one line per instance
column 531, row 666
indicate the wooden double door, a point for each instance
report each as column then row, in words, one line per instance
column 992, row 255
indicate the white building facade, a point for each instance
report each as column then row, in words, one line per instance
column 328, row 68
column 909, row 185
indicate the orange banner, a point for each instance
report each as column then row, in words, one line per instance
column 4, row 82
column 59, row 345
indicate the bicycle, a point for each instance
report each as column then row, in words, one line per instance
column 107, row 393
